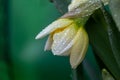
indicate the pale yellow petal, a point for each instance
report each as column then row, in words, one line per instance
column 62, row 41
column 60, row 23
column 79, row 48
column 48, row 43
column 66, row 53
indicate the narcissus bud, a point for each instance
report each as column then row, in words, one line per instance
column 66, row 39
column 67, row 36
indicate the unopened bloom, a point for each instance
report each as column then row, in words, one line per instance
column 66, row 38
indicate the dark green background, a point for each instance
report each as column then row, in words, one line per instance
column 22, row 57
column 27, row 18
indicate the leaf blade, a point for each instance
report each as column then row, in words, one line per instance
column 114, row 7
column 99, row 40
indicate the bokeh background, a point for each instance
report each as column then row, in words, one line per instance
column 21, row 56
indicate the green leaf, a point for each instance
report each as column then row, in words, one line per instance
column 114, row 35
column 115, row 10
column 114, row 38
column 97, row 29
column 90, row 67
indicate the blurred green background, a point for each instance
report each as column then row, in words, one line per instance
column 27, row 18
column 21, row 56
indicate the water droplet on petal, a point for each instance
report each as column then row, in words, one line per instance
column 63, row 40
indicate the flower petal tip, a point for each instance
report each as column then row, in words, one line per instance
column 40, row 35
column 73, row 66
column 54, row 52
column 36, row 37
column 45, row 49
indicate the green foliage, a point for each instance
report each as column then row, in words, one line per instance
column 104, row 37
column 100, row 40
column 114, row 8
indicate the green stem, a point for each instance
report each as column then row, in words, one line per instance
column 74, row 74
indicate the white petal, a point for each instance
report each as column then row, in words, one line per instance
column 66, row 53
column 85, row 3
column 60, row 23
column 62, row 41
column 75, row 4
column 79, row 48
column 48, row 43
